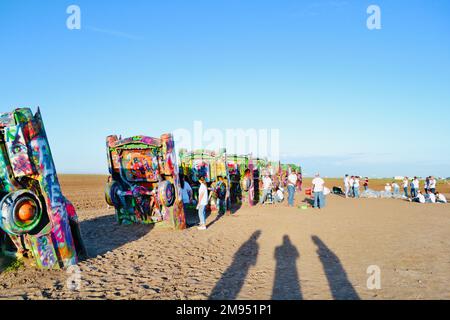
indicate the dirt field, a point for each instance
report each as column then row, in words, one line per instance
column 259, row 253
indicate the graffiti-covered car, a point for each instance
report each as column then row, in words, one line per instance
column 36, row 220
column 144, row 184
column 212, row 166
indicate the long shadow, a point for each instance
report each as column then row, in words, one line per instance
column 5, row 262
column 104, row 234
column 235, row 207
column 286, row 285
column 217, row 218
column 340, row 286
column 232, row 281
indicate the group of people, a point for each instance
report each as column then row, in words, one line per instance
column 273, row 189
column 411, row 189
column 352, row 185
column 430, row 195
column 218, row 191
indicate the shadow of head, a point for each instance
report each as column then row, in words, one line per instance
column 255, row 236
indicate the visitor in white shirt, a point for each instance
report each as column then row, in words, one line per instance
column 419, row 198
column 405, row 186
column 267, row 187
column 431, row 198
column 292, row 182
column 356, row 187
column 432, row 185
column 388, row 188
column 279, row 194
column 318, row 187
column 351, row 182
column 347, row 185
column 440, row 198
column 416, row 184
column 202, row 203
column 396, row 188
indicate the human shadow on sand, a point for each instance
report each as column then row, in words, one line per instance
column 340, row 286
column 287, row 284
column 192, row 218
column 104, row 234
column 232, row 281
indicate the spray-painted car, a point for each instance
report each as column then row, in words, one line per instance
column 36, row 220
column 144, row 185
column 211, row 165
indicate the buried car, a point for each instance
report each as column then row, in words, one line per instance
column 210, row 165
column 36, row 220
column 144, row 184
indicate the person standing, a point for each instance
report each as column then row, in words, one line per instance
column 366, row 184
column 221, row 190
column 416, row 184
column 267, row 187
column 299, row 182
column 347, row 185
column 432, row 185
column 396, row 188
column 405, row 186
column 202, row 203
column 351, row 183
column 291, row 183
column 186, row 191
column 318, row 188
column 356, row 187
column 427, row 185
column 413, row 191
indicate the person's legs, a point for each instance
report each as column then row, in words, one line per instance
column 220, row 205
column 201, row 215
column 321, row 200
column 347, row 191
column 316, row 199
column 264, row 196
column 356, row 192
column 406, row 191
column 291, row 191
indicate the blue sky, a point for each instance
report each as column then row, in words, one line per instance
column 346, row 99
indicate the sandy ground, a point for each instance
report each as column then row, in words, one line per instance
column 259, row 253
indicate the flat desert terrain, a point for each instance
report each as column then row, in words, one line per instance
column 264, row 252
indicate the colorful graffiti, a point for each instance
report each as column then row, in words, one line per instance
column 212, row 166
column 36, row 220
column 144, row 185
